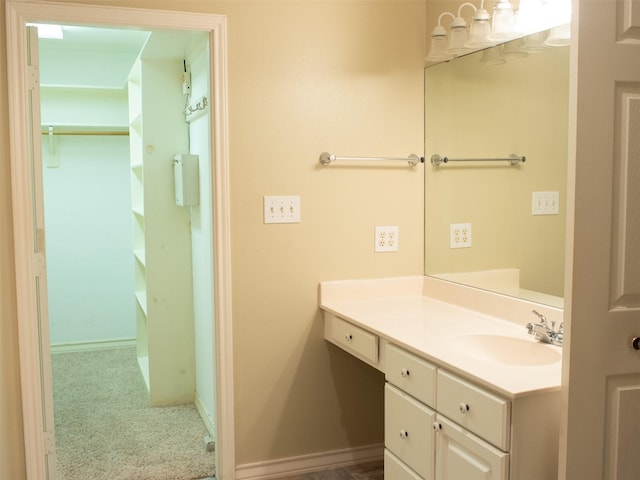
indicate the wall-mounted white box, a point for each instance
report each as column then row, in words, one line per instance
column 187, row 189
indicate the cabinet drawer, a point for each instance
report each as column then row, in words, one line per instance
column 353, row 339
column 394, row 469
column 476, row 409
column 411, row 374
column 462, row 455
column 408, row 431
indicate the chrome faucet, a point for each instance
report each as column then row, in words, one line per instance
column 544, row 332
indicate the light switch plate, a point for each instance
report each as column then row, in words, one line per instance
column 281, row 209
column 545, row 203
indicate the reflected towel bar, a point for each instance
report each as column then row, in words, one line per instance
column 327, row 159
column 513, row 159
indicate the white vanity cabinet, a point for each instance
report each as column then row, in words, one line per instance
column 418, row 434
column 443, row 423
column 439, row 426
column 455, row 408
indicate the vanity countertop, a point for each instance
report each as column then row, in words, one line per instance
column 434, row 319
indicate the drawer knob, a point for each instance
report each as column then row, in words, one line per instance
column 404, row 434
column 404, row 372
column 463, row 407
column 437, row 427
column 348, row 337
column 635, row 343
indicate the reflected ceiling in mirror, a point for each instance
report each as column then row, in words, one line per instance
column 509, row 99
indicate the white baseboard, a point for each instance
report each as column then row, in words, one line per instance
column 87, row 346
column 205, row 417
column 309, row 463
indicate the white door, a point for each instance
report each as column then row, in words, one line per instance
column 601, row 370
column 42, row 403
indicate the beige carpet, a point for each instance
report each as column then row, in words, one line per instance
column 106, row 430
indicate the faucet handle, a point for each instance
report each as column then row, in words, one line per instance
column 543, row 319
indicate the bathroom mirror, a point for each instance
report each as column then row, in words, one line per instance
column 509, row 99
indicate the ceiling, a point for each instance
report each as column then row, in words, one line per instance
column 91, row 57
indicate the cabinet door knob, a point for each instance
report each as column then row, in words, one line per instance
column 635, row 343
column 437, row 427
column 463, row 407
column 404, row 434
column 404, row 372
column 348, row 337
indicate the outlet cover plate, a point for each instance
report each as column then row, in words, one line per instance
column 386, row 239
column 281, row 209
column 460, row 235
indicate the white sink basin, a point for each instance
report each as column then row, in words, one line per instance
column 507, row 350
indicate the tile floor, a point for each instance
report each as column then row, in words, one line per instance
column 363, row 471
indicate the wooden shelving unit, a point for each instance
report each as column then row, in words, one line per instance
column 161, row 233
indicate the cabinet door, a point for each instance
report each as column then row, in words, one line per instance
column 394, row 469
column 408, row 431
column 460, row 455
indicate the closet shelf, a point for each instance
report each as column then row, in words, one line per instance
column 140, row 256
column 141, row 297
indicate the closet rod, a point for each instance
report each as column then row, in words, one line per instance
column 327, row 159
column 85, row 132
column 513, row 159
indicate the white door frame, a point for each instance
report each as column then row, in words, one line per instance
column 18, row 14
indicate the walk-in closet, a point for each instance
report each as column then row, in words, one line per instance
column 127, row 202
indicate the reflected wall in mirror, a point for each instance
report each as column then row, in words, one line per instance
column 477, row 109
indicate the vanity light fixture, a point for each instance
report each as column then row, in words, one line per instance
column 438, row 50
column 532, row 17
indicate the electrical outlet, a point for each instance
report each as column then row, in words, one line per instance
column 545, row 203
column 282, row 209
column 386, row 239
column 460, row 235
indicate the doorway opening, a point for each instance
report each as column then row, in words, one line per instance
column 128, row 268
column 27, row 190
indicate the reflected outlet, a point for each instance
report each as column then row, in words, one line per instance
column 460, row 235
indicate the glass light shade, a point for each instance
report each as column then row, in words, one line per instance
column 559, row 36
column 480, row 30
column 458, row 37
column 535, row 42
column 503, row 23
column 491, row 56
column 514, row 49
column 439, row 44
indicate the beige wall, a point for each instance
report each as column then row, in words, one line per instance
column 304, row 77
